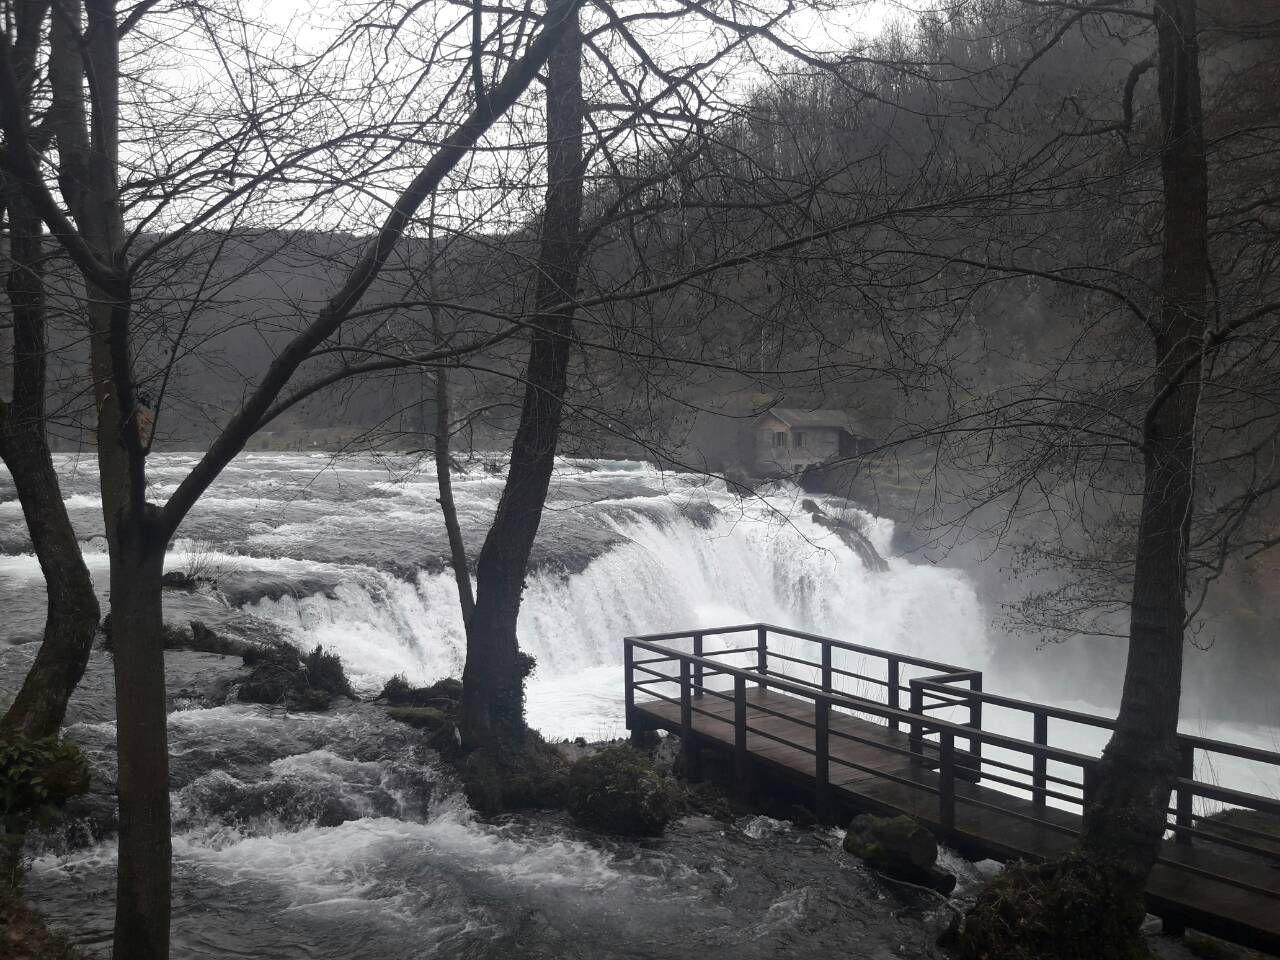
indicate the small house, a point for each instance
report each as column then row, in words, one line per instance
column 788, row 440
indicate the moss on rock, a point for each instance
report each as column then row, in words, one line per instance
column 1067, row 909
column 506, row 776
column 281, row 675
column 619, row 791
column 443, row 694
column 900, row 848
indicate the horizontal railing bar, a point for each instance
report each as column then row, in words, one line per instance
column 859, row 676
column 725, row 653
column 708, row 691
column 786, row 743
column 1229, row 749
column 950, row 671
column 1047, row 777
column 639, row 684
column 859, row 648
column 639, row 663
column 875, row 708
column 1236, row 798
column 915, row 784
column 778, row 655
column 1016, row 814
column 1208, row 837
column 1248, row 831
column 1221, row 878
column 659, row 696
column 654, row 673
column 690, row 634
column 886, row 747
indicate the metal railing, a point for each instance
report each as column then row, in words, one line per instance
column 1035, row 768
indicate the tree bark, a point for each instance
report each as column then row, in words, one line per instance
column 493, row 679
column 71, row 616
column 444, row 480
column 143, row 871
column 1126, row 821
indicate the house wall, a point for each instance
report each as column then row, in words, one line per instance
column 820, row 443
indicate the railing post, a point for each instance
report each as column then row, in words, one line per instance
column 917, row 728
column 894, row 681
column 629, row 675
column 821, row 755
column 1187, row 771
column 697, row 667
column 1039, row 763
column 947, row 781
column 975, row 721
column 741, row 762
column 826, row 668
column 1089, row 785
column 688, row 747
column 762, row 654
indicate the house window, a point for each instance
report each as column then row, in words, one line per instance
column 799, row 443
column 779, row 438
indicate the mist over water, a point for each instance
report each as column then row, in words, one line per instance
column 336, row 835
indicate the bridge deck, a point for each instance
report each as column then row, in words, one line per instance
column 871, row 767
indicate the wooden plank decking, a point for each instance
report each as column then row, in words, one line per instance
column 871, row 768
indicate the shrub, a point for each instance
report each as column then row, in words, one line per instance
column 324, row 672
column 506, row 776
column 1062, row 910
column 38, row 773
column 618, row 791
column 444, row 694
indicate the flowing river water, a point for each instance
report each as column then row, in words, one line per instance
column 337, row 835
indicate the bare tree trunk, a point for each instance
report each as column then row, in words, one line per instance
column 143, row 876
column 493, row 680
column 71, row 616
column 1127, row 820
column 444, row 480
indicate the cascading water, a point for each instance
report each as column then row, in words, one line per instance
column 337, row 836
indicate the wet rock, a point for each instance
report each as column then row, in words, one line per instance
column 440, row 727
column 900, row 848
column 210, row 641
column 619, row 791
column 179, row 580
column 291, row 802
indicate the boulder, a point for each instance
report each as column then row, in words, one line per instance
column 619, row 791
column 900, row 848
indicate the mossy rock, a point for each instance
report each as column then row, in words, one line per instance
column 506, row 776
column 1067, row 909
column 444, row 694
column 900, row 848
column 281, row 675
column 619, row 791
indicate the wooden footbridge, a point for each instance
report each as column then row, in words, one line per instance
column 830, row 716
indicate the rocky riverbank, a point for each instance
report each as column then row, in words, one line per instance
column 338, row 833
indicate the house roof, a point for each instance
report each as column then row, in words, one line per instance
column 814, row 418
